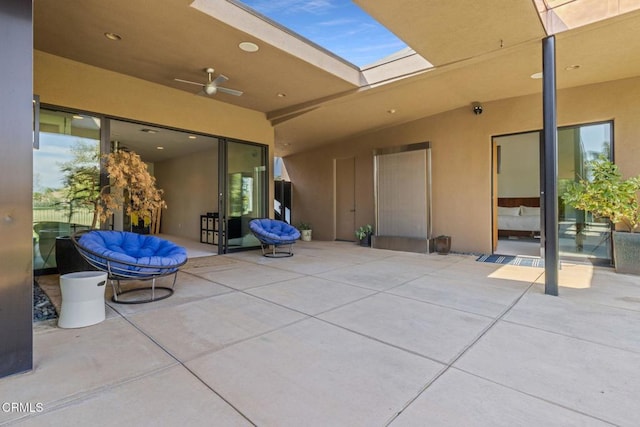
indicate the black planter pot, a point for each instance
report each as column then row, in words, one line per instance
column 366, row 241
column 140, row 228
column 68, row 259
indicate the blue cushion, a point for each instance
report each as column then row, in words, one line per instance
column 149, row 252
column 273, row 231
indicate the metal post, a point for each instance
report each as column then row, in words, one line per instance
column 550, row 170
column 222, row 196
column 16, row 154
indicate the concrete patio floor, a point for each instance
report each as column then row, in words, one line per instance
column 340, row 335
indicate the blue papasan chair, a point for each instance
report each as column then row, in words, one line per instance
column 274, row 233
column 131, row 256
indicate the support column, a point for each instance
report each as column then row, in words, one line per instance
column 549, row 163
column 16, row 165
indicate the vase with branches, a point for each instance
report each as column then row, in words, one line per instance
column 131, row 187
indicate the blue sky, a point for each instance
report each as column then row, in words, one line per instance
column 337, row 25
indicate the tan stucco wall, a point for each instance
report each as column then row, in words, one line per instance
column 60, row 81
column 461, row 158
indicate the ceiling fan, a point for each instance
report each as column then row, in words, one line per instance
column 212, row 86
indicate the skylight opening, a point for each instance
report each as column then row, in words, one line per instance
column 338, row 26
column 562, row 15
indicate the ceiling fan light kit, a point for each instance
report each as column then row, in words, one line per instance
column 212, row 86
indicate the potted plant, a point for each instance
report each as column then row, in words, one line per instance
column 607, row 195
column 305, row 231
column 132, row 187
column 364, row 235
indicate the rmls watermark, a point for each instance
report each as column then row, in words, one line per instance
column 22, row 407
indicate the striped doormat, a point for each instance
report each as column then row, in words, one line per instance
column 512, row 260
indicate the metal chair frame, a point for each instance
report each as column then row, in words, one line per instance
column 118, row 270
column 265, row 242
column 274, row 253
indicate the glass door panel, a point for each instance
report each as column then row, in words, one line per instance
column 66, row 181
column 581, row 235
column 245, row 173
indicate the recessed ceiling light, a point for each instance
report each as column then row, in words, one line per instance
column 192, row 137
column 391, row 111
column 248, row 47
column 572, row 67
column 159, row 148
column 536, row 75
column 113, row 36
column 281, row 95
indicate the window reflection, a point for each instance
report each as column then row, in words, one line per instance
column 581, row 234
column 65, row 180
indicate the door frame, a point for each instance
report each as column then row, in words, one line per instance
column 496, row 165
column 223, row 188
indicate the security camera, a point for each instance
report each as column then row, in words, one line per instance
column 477, row 108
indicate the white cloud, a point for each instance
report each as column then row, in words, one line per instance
column 316, row 6
column 337, row 22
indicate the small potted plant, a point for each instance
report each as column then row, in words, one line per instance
column 305, row 231
column 607, row 195
column 364, row 235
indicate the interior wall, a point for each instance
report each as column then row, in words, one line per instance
column 519, row 174
column 190, row 185
column 461, row 157
column 566, row 156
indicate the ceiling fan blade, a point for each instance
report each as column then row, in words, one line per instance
column 230, row 91
column 220, row 79
column 189, row 82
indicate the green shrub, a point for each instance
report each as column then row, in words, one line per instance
column 607, row 195
column 364, row 231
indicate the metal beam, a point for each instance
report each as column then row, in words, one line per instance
column 549, row 162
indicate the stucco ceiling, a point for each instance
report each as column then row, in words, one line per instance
column 482, row 51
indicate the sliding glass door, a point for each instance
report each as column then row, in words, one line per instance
column 243, row 192
column 66, row 180
column 581, row 235
column 517, row 177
